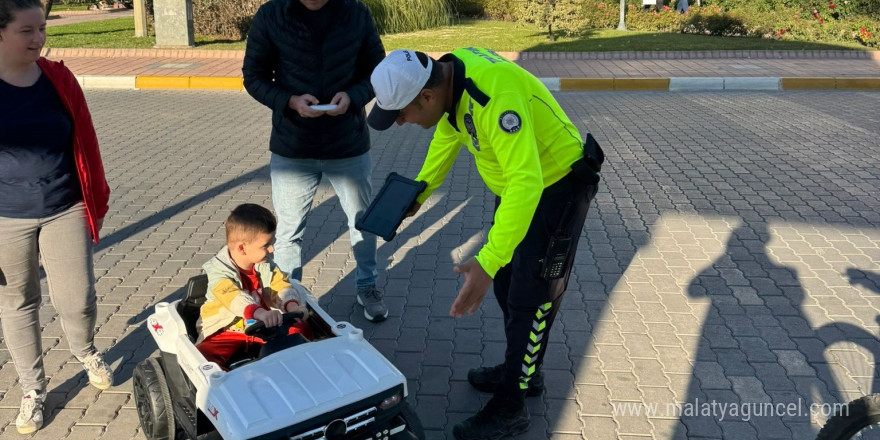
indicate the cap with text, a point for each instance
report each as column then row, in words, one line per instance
column 397, row 80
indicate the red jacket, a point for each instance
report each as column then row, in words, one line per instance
column 89, row 168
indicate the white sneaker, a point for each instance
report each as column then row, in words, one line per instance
column 30, row 415
column 100, row 374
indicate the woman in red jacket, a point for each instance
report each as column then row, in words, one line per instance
column 53, row 198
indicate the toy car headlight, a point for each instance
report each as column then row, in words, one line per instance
column 390, row 402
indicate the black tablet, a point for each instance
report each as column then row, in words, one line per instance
column 386, row 212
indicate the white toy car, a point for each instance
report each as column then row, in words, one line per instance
column 336, row 387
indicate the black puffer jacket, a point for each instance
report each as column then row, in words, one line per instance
column 284, row 57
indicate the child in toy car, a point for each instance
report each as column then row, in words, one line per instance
column 245, row 286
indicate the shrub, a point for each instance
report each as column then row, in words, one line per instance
column 796, row 24
column 468, row 8
column 841, row 8
column 233, row 18
column 715, row 23
column 393, row 16
column 758, row 5
column 667, row 20
column 599, row 15
column 501, row 9
column 869, row 36
column 558, row 16
column 224, row 18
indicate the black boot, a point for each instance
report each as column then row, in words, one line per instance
column 502, row 416
column 486, row 379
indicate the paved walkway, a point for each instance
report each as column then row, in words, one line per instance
column 726, row 281
column 58, row 18
column 213, row 63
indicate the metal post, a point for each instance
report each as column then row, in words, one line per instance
column 621, row 25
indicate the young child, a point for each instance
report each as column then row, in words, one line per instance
column 245, row 284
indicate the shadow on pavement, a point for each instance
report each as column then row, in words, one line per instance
column 179, row 207
column 757, row 347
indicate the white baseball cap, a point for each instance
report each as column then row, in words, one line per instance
column 397, row 80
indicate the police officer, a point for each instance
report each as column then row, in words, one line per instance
column 544, row 176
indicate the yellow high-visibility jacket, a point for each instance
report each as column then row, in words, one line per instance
column 521, row 140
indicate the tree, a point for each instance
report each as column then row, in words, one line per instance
column 48, row 8
column 563, row 16
column 621, row 25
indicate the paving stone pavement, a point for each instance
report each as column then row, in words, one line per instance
column 621, row 65
column 729, row 260
column 59, row 18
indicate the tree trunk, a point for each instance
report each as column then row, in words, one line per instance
column 621, row 25
column 48, row 8
column 659, row 6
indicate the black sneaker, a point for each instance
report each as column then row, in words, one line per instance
column 501, row 417
column 486, row 379
column 371, row 298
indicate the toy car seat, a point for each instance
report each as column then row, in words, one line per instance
column 191, row 304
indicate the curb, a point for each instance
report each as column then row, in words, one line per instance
column 513, row 56
column 675, row 84
column 61, row 14
column 687, row 84
column 189, row 82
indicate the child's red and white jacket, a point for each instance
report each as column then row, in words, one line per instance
column 228, row 304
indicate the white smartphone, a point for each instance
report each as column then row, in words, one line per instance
column 323, row 107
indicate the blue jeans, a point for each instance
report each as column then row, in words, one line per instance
column 294, row 183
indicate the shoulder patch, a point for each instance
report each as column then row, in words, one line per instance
column 510, row 121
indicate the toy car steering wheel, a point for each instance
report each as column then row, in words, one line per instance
column 260, row 330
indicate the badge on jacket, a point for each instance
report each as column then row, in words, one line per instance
column 510, row 121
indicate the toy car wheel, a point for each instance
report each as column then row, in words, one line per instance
column 153, row 400
column 414, row 428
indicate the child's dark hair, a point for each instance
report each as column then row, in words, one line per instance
column 8, row 8
column 247, row 220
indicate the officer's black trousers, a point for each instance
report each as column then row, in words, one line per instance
column 530, row 302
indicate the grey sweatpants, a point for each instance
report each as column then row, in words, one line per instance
column 63, row 243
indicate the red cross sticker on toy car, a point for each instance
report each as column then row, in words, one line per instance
column 156, row 326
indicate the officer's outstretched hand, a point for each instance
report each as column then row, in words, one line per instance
column 476, row 284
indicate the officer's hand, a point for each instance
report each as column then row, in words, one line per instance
column 476, row 284
column 272, row 318
column 301, row 103
column 413, row 210
column 342, row 102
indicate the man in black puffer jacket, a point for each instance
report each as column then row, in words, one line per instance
column 301, row 54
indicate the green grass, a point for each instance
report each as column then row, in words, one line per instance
column 116, row 33
column 500, row 36
column 513, row 37
column 59, row 7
